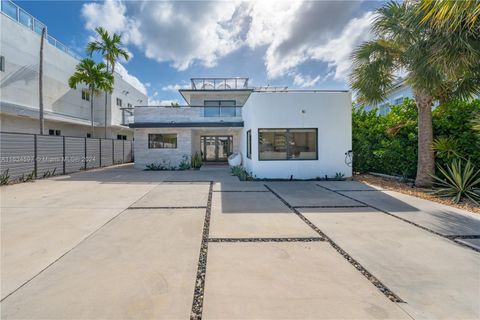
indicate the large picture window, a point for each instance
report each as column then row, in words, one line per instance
column 249, row 144
column 162, row 141
column 287, row 144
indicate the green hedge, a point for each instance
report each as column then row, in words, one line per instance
column 388, row 144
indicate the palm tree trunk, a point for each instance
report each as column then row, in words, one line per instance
column 40, row 82
column 91, row 112
column 426, row 158
column 106, row 103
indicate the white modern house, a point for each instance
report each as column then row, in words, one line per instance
column 280, row 133
column 67, row 111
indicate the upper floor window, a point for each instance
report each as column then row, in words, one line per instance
column 287, row 144
column 85, row 95
column 219, row 108
column 119, row 102
column 129, row 105
column 121, row 137
column 249, row 144
column 162, row 141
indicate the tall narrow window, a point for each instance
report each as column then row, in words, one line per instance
column 249, row 144
column 85, row 95
column 162, row 141
column 119, row 102
column 2, row 63
column 287, row 144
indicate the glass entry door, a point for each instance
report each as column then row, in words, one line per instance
column 216, row 148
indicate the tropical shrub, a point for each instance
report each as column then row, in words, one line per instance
column 458, row 180
column 197, row 161
column 387, row 144
column 185, row 163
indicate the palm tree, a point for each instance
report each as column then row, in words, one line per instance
column 110, row 47
column 450, row 14
column 95, row 77
column 404, row 44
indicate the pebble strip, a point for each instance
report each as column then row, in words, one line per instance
column 197, row 304
column 310, row 239
column 452, row 238
column 465, row 237
column 313, row 207
column 377, row 283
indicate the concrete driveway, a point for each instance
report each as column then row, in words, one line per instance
column 120, row 243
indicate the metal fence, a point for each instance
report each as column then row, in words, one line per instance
column 42, row 155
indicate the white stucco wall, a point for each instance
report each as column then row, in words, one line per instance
column 330, row 112
column 177, row 114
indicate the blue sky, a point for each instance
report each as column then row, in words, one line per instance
column 297, row 44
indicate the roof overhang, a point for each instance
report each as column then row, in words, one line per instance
column 188, row 93
column 238, row 124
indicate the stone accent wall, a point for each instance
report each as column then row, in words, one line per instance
column 180, row 114
column 144, row 155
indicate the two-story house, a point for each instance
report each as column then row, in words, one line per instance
column 66, row 110
column 280, row 133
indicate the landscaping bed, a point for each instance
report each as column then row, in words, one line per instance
column 410, row 189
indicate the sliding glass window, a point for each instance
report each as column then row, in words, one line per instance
column 219, row 108
column 287, row 144
column 162, row 141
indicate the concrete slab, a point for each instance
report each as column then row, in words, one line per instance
column 443, row 219
column 347, row 185
column 220, row 173
column 32, row 239
column 239, row 186
column 254, row 215
column 67, row 194
column 289, row 281
column 176, row 194
column 471, row 242
column 437, row 278
column 309, row 194
column 141, row 265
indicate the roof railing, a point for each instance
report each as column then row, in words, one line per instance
column 21, row 16
column 219, row 83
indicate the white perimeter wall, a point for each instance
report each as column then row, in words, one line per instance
column 330, row 112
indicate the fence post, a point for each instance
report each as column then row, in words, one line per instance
column 64, row 154
column 113, row 152
column 100, row 147
column 85, row 160
column 35, row 155
column 123, row 151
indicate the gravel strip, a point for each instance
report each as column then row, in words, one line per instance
column 377, row 283
column 197, row 304
column 310, row 239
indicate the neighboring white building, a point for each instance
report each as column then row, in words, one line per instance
column 395, row 96
column 280, row 133
column 67, row 111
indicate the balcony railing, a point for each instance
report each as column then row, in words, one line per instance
column 16, row 13
column 219, row 83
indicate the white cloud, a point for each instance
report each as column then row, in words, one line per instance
column 305, row 81
column 175, row 87
column 189, row 32
column 132, row 80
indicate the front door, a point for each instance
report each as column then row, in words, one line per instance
column 216, row 148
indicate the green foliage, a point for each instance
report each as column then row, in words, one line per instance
column 458, row 180
column 387, row 144
column 197, row 161
column 94, row 75
column 241, row 173
column 185, row 163
column 27, row 177
column 4, row 178
column 339, row 176
column 159, row 167
column 48, row 173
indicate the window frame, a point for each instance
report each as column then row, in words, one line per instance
column 162, row 142
column 249, row 144
column 219, row 106
column 2, row 63
column 287, row 139
column 85, row 95
column 119, row 100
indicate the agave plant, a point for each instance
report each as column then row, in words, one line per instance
column 458, row 181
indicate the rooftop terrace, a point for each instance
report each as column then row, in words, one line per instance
column 219, row 84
